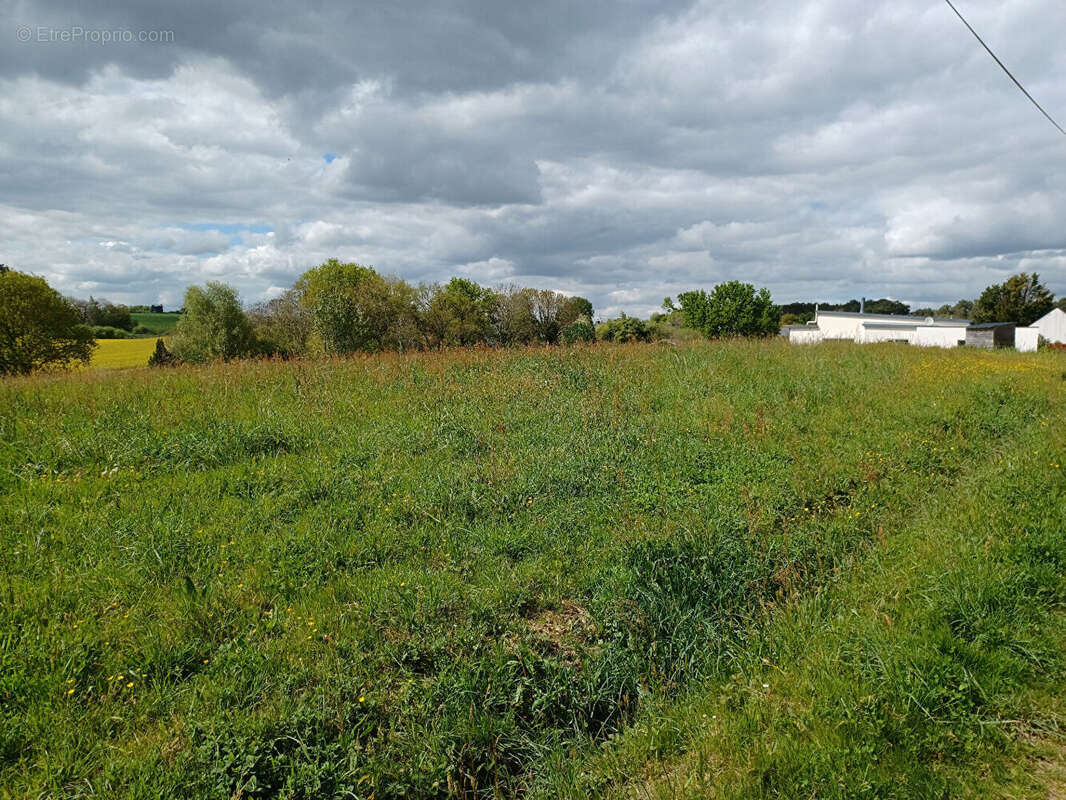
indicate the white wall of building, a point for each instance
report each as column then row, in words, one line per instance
column 895, row 333
column 833, row 327
column 805, row 335
column 1052, row 326
column 939, row 336
column 1027, row 339
column 928, row 332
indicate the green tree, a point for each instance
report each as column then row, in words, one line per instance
column 580, row 331
column 524, row 316
column 353, row 308
column 515, row 321
column 1021, row 299
column 731, row 309
column 281, row 325
column 574, row 309
column 161, row 357
column 458, row 313
column 886, row 306
column 38, row 328
column 214, row 325
column 108, row 315
column 549, row 309
column 624, row 329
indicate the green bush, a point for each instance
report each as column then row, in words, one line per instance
column 108, row 332
column 38, row 328
column 731, row 309
column 214, row 325
column 352, row 308
column 624, row 329
column 459, row 313
column 580, row 331
column 161, row 357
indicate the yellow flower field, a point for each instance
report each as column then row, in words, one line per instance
column 119, row 353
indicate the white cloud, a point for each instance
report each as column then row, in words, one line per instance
column 820, row 149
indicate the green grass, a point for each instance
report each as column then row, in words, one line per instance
column 118, row 353
column 554, row 572
column 156, row 323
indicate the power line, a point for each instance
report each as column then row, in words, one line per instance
column 1004, row 68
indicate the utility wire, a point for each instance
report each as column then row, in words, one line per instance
column 1004, row 68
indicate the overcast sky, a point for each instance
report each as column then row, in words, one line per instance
column 622, row 150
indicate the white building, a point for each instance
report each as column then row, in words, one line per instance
column 1052, row 326
column 866, row 328
column 1027, row 340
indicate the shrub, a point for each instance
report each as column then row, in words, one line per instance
column 580, row 331
column 624, row 329
column 141, row 330
column 161, row 357
column 108, row 332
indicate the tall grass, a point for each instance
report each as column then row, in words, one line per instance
column 447, row 574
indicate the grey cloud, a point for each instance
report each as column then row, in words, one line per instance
column 623, row 150
column 457, row 45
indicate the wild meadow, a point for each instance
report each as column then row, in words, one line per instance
column 740, row 569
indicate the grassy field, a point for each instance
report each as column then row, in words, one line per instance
column 735, row 570
column 116, row 353
column 156, row 323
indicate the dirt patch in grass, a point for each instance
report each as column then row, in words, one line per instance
column 566, row 631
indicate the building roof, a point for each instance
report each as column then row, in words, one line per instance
column 1055, row 312
column 889, row 326
column 900, row 319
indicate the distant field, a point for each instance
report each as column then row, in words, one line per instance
column 156, row 323
column 114, row 353
column 747, row 570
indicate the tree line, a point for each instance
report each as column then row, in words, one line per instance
column 340, row 308
column 1021, row 299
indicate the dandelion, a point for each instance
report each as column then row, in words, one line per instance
column 70, row 692
column 361, row 698
column 129, row 685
